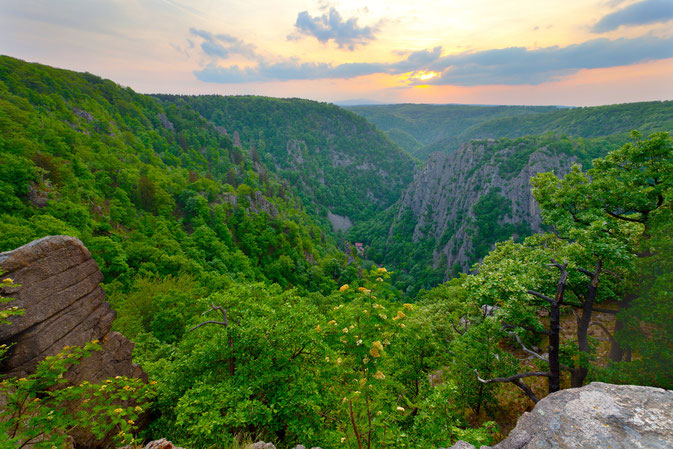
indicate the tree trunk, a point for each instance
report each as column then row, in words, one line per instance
column 555, row 329
column 554, row 343
column 580, row 372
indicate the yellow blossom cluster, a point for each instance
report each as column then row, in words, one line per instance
column 377, row 347
column 399, row 316
column 344, row 288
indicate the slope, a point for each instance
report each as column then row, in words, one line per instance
column 338, row 164
column 153, row 191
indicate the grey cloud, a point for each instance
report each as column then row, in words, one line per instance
column 510, row 66
column 331, row 26
column 221, row 46
column 518, row 65
column 641, row 13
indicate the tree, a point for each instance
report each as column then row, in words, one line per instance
column 603, row 221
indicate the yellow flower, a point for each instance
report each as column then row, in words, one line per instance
column 382, row 270
column 364, row 290
column 379, row 279
column 317, row 328
column 138, row 409
column 379, row 375
column 7, row 281
column 343, row 439
column 408, row 306
column 130, row 421
column 377, row 347
column 154, row 382
column 344, row 287
column 344, row 330
column 118, row 410
column 399, row 316
column 332, row 322
column 402, row 325
column 400, row 409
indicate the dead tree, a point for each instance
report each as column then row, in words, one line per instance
column 225, row 323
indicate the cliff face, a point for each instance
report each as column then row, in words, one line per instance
column 467, row 200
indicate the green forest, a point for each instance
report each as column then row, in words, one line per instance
column 255, row 321
column 423, row 129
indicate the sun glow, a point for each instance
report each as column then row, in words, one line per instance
column 424, row 76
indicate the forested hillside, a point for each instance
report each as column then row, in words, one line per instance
column 415, row 126
column 445, row 127
column 336, row 162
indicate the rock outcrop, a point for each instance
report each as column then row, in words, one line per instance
column 64, row 306
column 597, row 416
column 440, row 201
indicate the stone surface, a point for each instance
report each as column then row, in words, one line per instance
column 597, row 416
column 64, row 306
column 161, row 444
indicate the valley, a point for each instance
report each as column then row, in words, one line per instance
column 293, row 271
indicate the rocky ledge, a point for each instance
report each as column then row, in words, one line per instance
column 64, row 306
column 597, row 416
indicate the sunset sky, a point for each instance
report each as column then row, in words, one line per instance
column 569, row 52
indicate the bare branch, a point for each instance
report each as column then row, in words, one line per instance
column 621, row 217
column 610, row 311
column 605, row 331
column 585, row 271
column 224, row 322
column 526, row 389
column 535, row 354
column 514, row 377
column 541, row 296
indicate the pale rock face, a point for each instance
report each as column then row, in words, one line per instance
column 596, row 416
column 443, row 193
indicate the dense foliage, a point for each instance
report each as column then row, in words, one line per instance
column 423, row 129
column 334, row 160
column 254, row 326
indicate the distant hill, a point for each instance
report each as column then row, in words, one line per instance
column 423, row 129
column 336, row 161
column 416, row 126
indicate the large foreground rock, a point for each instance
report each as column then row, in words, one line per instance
column 64, row 306
column 597, row 416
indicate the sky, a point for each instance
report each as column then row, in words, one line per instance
column 569, row 52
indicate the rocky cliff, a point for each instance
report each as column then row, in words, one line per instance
column 465, row 201
column 597, row 416
column 64, row 306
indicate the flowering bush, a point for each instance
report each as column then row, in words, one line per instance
column 41, row 409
